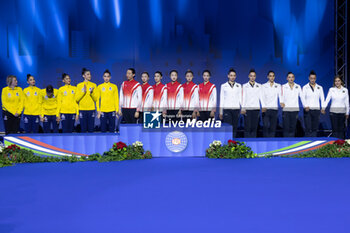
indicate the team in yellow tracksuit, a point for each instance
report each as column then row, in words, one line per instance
column 12, row 105
column 32, row 106
column 48, row 114
column 67, row 108
column 107, row 102
column 86, row 98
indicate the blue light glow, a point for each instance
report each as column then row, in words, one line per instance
column 156, row 17
column 117, row 10
column 57, row 21
column 97, row 9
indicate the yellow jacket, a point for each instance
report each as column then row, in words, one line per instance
column 32, row 101
column 12, row 100
column 66, row 100
column 107, row 98
column 49, row 105
column 85, row 100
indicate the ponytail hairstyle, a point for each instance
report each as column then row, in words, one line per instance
column 231, row 70
column 64, row 75
column 189, row 72
column 252, row 71
column 145, row 72
column 132, row 70
column 271, row 71
column 312, row 73
column 158, row 72
column 49, row 89
column 174, row 71
column 84, row 70
column 28, row 76
column 108, row 72
column 206, row 71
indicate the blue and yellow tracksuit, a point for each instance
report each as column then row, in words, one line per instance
column 32, row 109
column 12, row 103
column 107, row 101
column 67, row 108
column 86, row 102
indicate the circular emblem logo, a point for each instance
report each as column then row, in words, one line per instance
column 176, row 141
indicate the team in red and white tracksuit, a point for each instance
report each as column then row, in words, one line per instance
column 147, row 97
column 159, row 97
column 175, row 94
column 207, row 99
column 130, row 99
column 191, row 96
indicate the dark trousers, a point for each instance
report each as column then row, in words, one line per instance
column 204, row 115
column 50, row 120
column 186, row 115
column 311, row 120
column 270, row 122
column 140, row 118
column 107, row 121
column 338, row 124
column 31, row 123
column 289, row 123
column 11, row 122
column 67, row 122
column 87, row 120
column 251, row 122
column 129, row 115
column 231, row 117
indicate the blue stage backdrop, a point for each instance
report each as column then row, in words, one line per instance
column 47, row 38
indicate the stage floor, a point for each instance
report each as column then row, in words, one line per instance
column 177, row 195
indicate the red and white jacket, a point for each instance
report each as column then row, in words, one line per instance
column 160, row 97
column 175, row 94
column 130, row 95
column 147, row 97
column 191, row 96
column 207, row 97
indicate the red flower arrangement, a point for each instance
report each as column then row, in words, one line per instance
column 231, row 142
column 13, row 147
column 119, row 145
column 339, row 142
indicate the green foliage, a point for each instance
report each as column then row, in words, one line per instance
column 120, row 151
column 231, row 150
column 340, row 149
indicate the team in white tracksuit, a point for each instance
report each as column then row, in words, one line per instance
column 230, row 101
column 251, row 101
column 291, row 92
column 272, row 93
column 313, row 97
column 339, row 110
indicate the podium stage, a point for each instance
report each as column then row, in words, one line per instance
column 165, row 142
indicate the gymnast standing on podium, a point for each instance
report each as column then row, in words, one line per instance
column 338, row 95
column 147, row 95
column 231, row 101
column 191, row 98
column 130, row 98
column 207, row 97
column 107, row 103
column 160, row 95
column 12, row 105
column 86, row 98
column 252, row 98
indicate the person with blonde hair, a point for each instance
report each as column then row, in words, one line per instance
column 12, row 105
